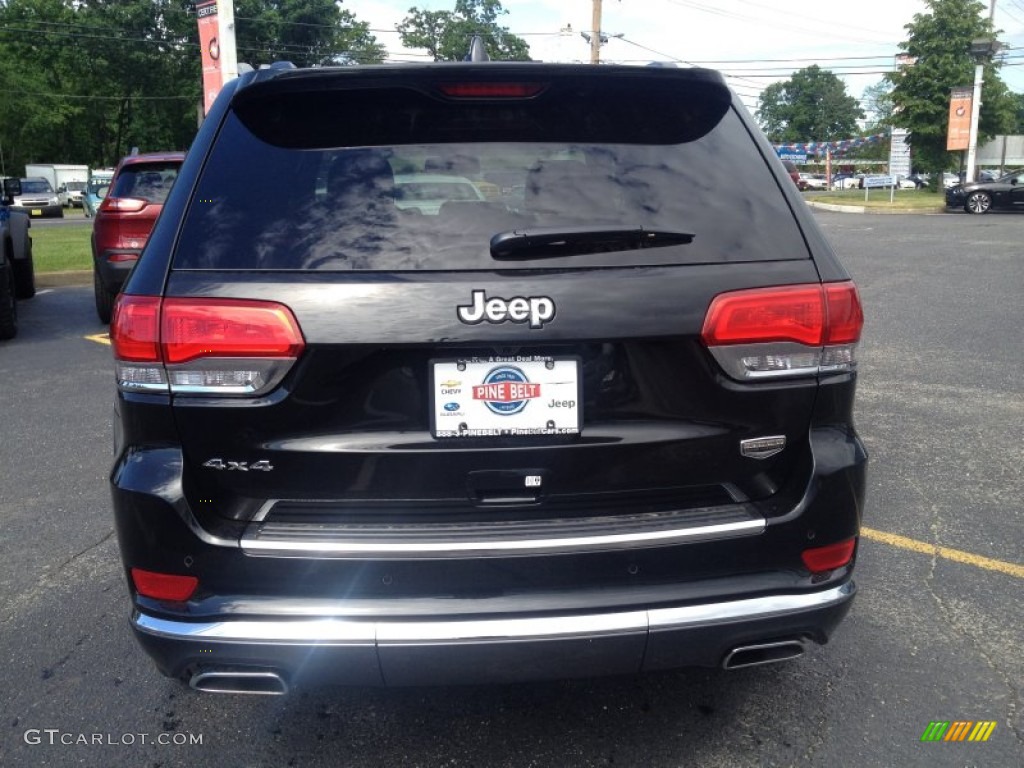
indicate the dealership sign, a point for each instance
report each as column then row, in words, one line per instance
column 958, row 135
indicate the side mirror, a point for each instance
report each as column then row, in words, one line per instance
column 12, row 188
column 101, row 192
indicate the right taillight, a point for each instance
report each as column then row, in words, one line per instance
column 203, row 346
column 785, row 331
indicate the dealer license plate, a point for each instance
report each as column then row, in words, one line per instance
column 505, row 396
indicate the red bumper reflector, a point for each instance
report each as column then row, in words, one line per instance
column 164, row 586
column 828, row 558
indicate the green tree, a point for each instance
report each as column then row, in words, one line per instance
column 811, row 106
column 1018, row 124
column 446, row 35
column 34, row 67
column 305, row 32
column 939, row 45
column 877, row 104
column 85, row 81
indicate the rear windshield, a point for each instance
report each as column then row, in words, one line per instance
column 286, row 189
column 146, row 181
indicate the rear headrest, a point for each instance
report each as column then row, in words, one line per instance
column 570, row 187
column 458, row 165
column 361, row 175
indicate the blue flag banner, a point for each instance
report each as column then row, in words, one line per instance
column 835, row 147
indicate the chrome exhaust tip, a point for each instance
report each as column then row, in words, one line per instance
column 764, row 653
column 261, row 683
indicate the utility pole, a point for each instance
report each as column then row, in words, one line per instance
column 982, row 51
column 595, row 33
column 228, row 52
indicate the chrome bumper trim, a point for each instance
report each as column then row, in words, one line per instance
column 369, row 633
column 494, row 540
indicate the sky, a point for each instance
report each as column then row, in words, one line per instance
column 754, row 42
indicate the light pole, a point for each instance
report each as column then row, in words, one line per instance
column 982, row 51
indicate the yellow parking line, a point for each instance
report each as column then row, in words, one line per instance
column 957, row 555
column 100, row 338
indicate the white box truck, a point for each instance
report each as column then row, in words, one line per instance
column 69, row 181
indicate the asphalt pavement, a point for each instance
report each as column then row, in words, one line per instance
column 934, row 635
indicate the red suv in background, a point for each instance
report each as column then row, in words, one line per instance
column 125, row 218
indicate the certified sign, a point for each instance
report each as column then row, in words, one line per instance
column 505, row 397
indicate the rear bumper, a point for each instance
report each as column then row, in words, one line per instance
column 42, row 211
column 547, row 610
column 357, row 651
column 114, row 266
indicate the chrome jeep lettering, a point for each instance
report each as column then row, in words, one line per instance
column 535, row 310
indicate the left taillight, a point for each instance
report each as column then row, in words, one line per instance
column 785, row 331
column 189, row 346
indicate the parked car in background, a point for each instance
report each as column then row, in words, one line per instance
column 606, row 430
column 807, row 181
column 427, row 192
column 38, row 199
column 17, row 273
column 95, row 191
column 793, row 172
column 70, row 193
column 1006, row 193
column 848, row 181
column 125, row 218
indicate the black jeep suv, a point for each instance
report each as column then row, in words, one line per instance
column 596, row 421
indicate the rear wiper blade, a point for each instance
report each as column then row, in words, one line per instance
column 553, row 242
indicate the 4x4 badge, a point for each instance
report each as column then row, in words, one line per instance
column 239, row 466
column 536, row 310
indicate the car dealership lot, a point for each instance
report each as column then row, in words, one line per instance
column 930, row 637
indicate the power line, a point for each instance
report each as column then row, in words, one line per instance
column 89, row 97
column 786, row 25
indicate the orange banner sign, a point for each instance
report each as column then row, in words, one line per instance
column 209, row 45
column 958, row 136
